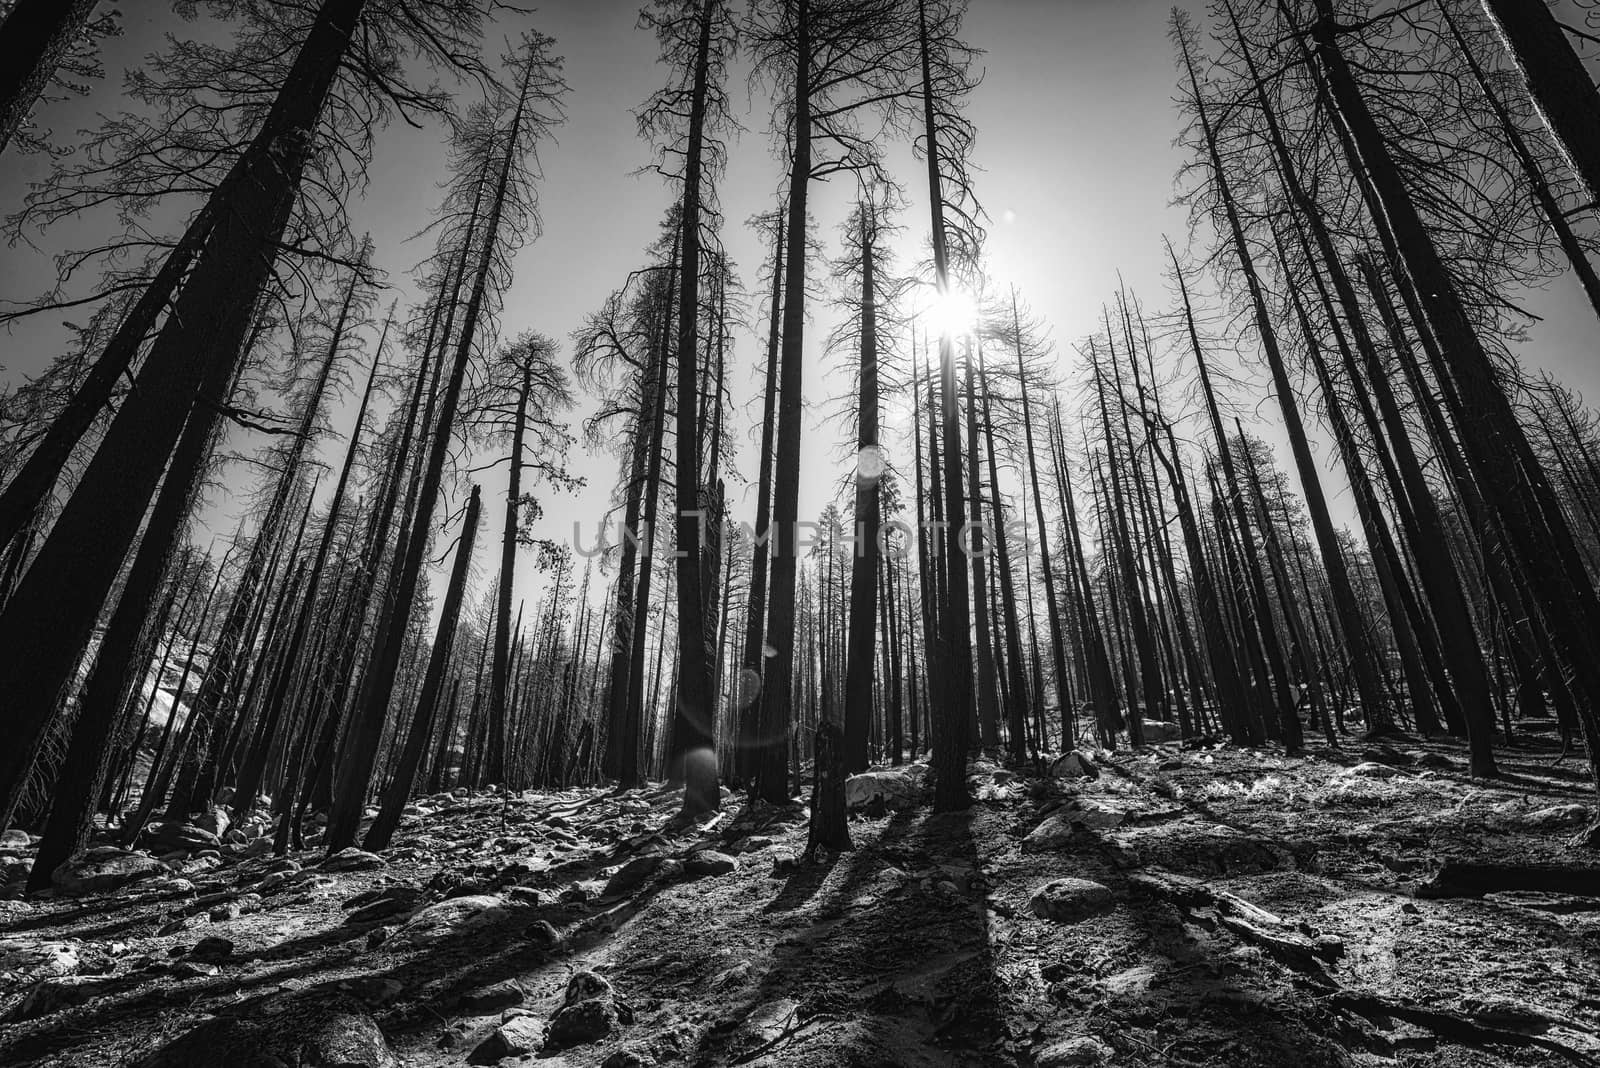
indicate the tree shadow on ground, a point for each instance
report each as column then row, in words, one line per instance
column 895, row 964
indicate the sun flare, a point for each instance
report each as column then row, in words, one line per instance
column 952, row 313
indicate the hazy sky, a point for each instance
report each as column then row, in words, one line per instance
column 1075, row 121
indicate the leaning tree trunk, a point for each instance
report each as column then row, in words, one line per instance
column 1557, row 80
column 40, row 472
column 1497, row 448
column 49, row 619
column 34, row 39
column 355, row 775
column 394, row 800
column 950, row 720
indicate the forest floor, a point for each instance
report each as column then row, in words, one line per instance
column 478, row 937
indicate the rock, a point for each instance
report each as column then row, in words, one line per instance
column 1062, row 826
column 625, row 1058
column 1096, row 815
column 638, row 871
column 188, row 969
column 212, row 947
column 543, row 935
column 450, row 918
column 352, row 859
column 1436, row 761
column 224, row 913
column 168, row 884
column 14, row 868
column 184, row 837
column 527, row 895
column 217, row 821
column 487, row 999
column 895, row 788
column 1557, row 817
column 60, row 992
column 1074, row 765
column 305, row 1029
column 200, row 863
column 1055, row 831
column 25, row 961
column 1370, row 769
column 709, row 862
column 517, row 1036
column 390, row 901
column 104, row 868
column 1158, row 731
column 585, row 985
column 1081, row 1050
column 752, row 843
column 1068, row 900
column 581, row 1023
column 14, row 841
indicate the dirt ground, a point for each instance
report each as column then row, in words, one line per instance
column 920, row 947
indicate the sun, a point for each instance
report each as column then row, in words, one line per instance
column 952, row 313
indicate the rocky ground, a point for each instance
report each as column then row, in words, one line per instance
column 1182, row 907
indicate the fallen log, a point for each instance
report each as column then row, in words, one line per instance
column 1458, row 1027
column 1465, row 879
column 1288, row 943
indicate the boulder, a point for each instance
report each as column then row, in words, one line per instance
column 752, row 843
column 177, row 836
column 1157, row 731
column 1062, row 826
column 894, row 788
column 381, row 904
column 352, row 859
column 585, row 985
column 542, row 934
column 14, row 841
column 450, row 918
column 104, row 868
column 516, row 1037
column 1557, row 817
column 709, row 862
column 1068, row 900
column 582, row 1023
column 310, row 1028
column 1074, row 765
column 216, row 822
column 638, row 871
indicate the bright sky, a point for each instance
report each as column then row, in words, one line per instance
column 1075, row 121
